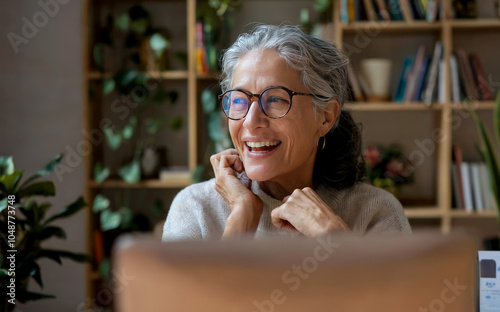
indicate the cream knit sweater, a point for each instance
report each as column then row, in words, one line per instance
column 199, row 212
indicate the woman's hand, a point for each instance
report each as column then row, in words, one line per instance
column 305, row 212
column 246, row 207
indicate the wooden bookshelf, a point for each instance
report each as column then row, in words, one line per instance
column 444, row 30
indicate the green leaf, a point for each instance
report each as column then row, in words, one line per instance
column 97, row 53
column 128, row 130
column 50, row 231
column 44, row 188
column 139, row 26
column 100, row 173
column 158, row 208
column 208, row 101
column 44, row 253
column 108, row 85
column 113, row 138
column 68, row 210
column 6, row 165
column 159, row 44
column 4, row 272
column 131, row 173
column 122, row 22
column 56, row 255
column 173, row 96
column 124, row 78
column 153, row 124
column 126, row 217
column 3, row 204
column 110, row 220
column 9, row 181
column 105, row 268
column 176, row 123
column 100, row 203
column 37, row 274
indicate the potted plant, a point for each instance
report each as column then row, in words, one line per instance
column 24, row 229
column 388, row 168
column 487, row 151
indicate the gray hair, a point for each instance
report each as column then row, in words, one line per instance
column 322, row 66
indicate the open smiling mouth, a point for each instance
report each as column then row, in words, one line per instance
column 262, row 146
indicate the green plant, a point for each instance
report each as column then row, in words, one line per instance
column 487, row 150
column 24, row 228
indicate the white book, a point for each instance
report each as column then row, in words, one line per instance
column 488, row 197
column 466, row 184
column 455, row 82
column 441, row 86
column 476, row 187
column 484, row 185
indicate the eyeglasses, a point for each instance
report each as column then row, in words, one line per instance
column 275, row 102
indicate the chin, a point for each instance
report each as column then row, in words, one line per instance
column 258, row 174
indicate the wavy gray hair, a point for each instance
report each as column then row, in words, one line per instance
column 323, row 67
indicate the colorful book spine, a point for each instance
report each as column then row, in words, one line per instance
column 201, row 56
column 413, row 76
column 406, row 10
column 422, row 74
column 481, row 82
column 403, row 78
column 370, row 10
column 344, row 15
column 432, row 80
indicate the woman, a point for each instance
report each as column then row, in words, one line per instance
column 296, row 168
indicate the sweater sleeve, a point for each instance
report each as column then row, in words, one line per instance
column 182, row 220
column 387, row 216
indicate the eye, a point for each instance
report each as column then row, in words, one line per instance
column 276, row 99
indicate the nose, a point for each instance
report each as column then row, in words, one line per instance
column 255, row 117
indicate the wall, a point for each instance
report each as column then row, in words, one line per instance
column 41, row 116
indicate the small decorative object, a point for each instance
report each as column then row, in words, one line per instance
column 377, row 73
column 465, row 8
column 153, row 158
column 388, row 168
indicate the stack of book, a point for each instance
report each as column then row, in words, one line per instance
column 206, row 53
column 471, row 185
column 468, row 79
column 390, row 10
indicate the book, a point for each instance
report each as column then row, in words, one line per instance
column 467, row 76
column 433, row 72
column 403, row 77
column 480, row 78
column 488, row 199
column 457, row 154
column 394, row 10
column 406, row 10
column 98, row 247
column 413, row 75
column 423, row 74
column 476, row 187
column 464, row 8
column 370, row 10
column 353, row 81
column 466, row 187
column 201, row 57
column 350, row 11
column 441, row 85
column 455, row 187
column 382, row 10
column 344, row 15
column 432, row 10
column 455, row 82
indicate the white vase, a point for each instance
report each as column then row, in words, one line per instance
column 377, row 73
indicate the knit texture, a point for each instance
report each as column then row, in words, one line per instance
column 199, row 212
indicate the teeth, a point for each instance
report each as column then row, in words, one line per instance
column 261, row 144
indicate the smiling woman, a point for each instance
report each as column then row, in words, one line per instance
column 296, row 168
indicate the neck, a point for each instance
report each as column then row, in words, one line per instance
column 279, row 190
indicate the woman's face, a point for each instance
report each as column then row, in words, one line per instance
column 293, row 138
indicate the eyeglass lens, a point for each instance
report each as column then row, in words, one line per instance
column 274, row 102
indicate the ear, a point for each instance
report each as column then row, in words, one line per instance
column 329, row 117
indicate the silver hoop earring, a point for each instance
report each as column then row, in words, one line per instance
column 324, row 143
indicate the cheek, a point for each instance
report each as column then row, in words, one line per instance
column 234, row 127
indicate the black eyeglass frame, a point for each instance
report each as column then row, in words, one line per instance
column 259, row 96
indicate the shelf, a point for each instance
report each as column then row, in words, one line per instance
column 391, row 106
column 475, row 214
column 178, row 180
column 478, row 105
column 472, row 24
column 423, row 212
column 392, row 27
column 169, row 74
column 213, row 76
